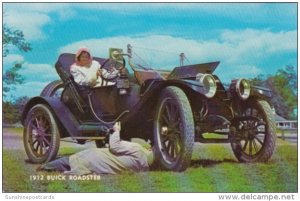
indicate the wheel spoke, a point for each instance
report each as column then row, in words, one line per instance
column 258, row 140
column 37, row 147
column 255, row 145
column 261, row 124
column 165, row 119
column 175, row 123
column 37, row 122
column 168, row 146
column 32, row 125
column 43, row 144
column 46, row 128
column 41, row 148
column 168, row 112
column 177, row 146
column 176, row 132
column 250, row 147
column 34, row 142
column 165, row 139
column 48, row 134
column 174, row 111
column 172, row 149
column 45, row 140
column 245, row 145
column 262, row 132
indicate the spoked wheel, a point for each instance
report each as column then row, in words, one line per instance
column 53, row 89
column 173, row 130
column 253, row 136
column 41, row 135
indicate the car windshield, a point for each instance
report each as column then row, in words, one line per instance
column 153, row 59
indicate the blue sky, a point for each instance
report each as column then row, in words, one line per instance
column 248, row 38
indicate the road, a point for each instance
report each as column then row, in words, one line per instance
column 13, row 140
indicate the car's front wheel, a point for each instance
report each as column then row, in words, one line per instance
column 173, row 130
column 41, row 135
column 253, row 136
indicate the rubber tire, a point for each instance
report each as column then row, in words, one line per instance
column 188, row 136
column 50, row 89
column 56, row 136
column 270, row 139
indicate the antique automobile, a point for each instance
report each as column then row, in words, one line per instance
column 170, row 109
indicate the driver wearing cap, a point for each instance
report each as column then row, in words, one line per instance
column 88, row 72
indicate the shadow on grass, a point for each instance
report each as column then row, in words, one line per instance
column 209, row 162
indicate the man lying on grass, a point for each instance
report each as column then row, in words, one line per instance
column 120, row 156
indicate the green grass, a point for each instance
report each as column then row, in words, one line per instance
column 15, row 175
column 213, row 169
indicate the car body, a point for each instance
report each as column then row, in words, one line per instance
column 171, row 109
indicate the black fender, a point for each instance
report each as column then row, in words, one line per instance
column 151, row 90
column 184, row 84
column 261, row 92
column 66, row 120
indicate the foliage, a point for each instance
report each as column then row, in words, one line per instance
column 11, row 37
column 12, row 77
column 12, row 110
column 284, row 88
column 14, row 38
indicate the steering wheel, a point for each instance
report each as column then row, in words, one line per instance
column 113, row 63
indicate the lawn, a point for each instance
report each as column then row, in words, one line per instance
column 213, row 169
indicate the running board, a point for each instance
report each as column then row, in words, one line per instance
column 211, row 140
column 89, row 138
column 92, row 130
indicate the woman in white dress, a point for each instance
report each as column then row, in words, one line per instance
column 88, row 72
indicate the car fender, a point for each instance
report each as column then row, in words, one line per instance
column 260, row 92
column 61, row 112
column 151, row 89
column 184, row 84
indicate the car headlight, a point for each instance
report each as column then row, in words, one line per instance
column 242, row 88
column 209, row 84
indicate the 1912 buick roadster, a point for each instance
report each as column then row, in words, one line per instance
column 171, row 109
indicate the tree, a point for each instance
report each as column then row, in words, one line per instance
column 12, row 111
column 15, row 38
column 284, row 88
column 12, row 37
column 12, row 77
column 20, row 103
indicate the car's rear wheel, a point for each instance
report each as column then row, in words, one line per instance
column 41, row 135
column 173, row 130
column 53, row 89
column 253, row 137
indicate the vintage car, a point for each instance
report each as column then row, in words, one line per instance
column 169, row 109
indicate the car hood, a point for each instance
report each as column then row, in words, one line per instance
column 192, row 70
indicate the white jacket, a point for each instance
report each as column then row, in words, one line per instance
column 87, row 75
